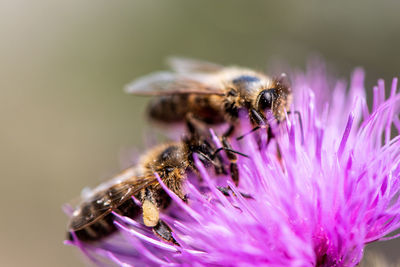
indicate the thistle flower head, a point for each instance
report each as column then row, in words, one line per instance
column 319, row 193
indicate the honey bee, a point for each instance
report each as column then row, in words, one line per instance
column 93, row 219
column 213, row 94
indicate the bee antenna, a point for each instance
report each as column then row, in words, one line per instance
column 230, row 150
column 252, row 131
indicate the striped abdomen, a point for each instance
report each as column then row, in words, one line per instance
column 174, row 108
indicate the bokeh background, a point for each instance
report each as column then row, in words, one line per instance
column 66, row 124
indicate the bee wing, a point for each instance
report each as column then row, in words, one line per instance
column 103, row 202
column 187, row 65
column 169, row 83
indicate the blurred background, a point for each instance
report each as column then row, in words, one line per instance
column 66, row 124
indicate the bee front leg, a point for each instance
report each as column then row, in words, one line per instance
column 232, row 157
column 233, row 160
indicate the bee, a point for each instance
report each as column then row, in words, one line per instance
column 93, row 219
column 213, row 94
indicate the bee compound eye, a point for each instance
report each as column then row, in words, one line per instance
column 266, row 99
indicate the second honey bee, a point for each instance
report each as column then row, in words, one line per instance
column 93, row 219
column 213, row 94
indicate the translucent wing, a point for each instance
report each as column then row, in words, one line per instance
column 103, row 202
column 169, row 83
column 187, row 65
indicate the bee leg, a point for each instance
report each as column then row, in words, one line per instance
column 196, row 127
column 233, row 160
column 151, row 217
column 227, row 190
column 163, row 231
column 231, row 154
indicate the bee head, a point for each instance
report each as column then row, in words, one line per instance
column 276, row 99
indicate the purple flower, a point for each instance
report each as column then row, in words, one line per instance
column 314, row 202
